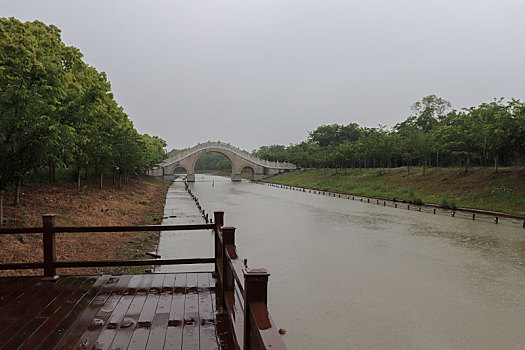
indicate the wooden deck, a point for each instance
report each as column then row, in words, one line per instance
column 150, row 311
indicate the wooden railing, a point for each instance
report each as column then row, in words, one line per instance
column 241, row 292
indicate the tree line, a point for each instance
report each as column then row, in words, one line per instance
column 57, row 111
column 433, row 135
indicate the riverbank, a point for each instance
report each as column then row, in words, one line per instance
column 480, row 188
column 139, row 202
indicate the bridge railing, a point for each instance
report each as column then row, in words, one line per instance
column 241, row 292
column 233, row 149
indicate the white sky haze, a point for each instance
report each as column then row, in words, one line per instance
column 259, row 72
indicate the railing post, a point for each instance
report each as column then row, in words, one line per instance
column 218, row 217
column 228, row 238
column 255, row 289
column 48, row 239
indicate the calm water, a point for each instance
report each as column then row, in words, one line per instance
column 351, row 275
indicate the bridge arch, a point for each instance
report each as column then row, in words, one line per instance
column 213, row 150
column 239, row 159
column 248, row 166
column 180, row 167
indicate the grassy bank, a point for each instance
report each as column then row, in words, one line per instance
column 139, row 202
column 480, row 188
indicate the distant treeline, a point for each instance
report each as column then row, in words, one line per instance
column 208, row 161
column 57, row 111
column 434, row 135
column 213, row 161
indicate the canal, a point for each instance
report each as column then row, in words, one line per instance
column 353, row 275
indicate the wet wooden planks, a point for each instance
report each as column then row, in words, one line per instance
column 151, row 311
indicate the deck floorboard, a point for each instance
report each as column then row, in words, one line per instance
column 150, row 311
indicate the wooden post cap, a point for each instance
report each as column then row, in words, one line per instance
column 256, row 272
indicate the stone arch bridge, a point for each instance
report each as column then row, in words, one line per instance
column 239, row 160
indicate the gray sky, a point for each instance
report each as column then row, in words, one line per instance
column 259, row 72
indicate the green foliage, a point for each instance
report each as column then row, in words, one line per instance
column 40, row 176
column 213, row 161
column 449, row 203
column 431, row 136
column 55, row 110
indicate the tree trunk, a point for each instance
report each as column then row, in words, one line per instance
column 1, row 207
column 78, row 180
column 496, row 163
column 437, row 158
column 119, row 180
column 408, row 168
column 484, row 154
column 424, row 167
column 86, row 171
column 101, row 178
column 114, row 178
column 52, row 176
column 17, row 192
column 50, row 168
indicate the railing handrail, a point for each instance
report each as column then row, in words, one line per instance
column 91, row 229
column 233, row 149
column 50, row 264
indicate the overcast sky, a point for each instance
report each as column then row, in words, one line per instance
column 259, row 72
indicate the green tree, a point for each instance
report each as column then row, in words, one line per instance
column 429, row 112
column 498, row 131
column 31, row 76
column 462, row 137
column 517, row 109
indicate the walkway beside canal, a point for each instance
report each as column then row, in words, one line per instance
column 179, row 209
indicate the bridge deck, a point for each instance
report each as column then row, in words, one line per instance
column 153, row 311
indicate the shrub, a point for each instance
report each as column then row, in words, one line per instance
column 448, row 203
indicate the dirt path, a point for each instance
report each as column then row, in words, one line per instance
column 141, row 201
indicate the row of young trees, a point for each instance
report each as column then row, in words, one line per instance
column 57, row 111
column 492, row 132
